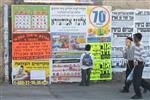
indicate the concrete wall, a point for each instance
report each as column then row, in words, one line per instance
column 128, row 4
column 116, row 4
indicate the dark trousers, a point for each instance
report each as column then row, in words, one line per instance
column 137, row 78
column 129, row 68
column 85, row 79
column 145, row 84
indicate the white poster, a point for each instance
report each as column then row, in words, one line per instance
column 70, row 19
column 6, row 42
column 142, row 25
column 122, row 26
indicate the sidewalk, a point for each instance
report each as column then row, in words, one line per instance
column 68, row 91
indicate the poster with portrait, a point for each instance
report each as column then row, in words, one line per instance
column 30, row 72
column 99, row 21
column 30, row 18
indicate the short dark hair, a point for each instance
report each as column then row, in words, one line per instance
column 129, row 38
column 88, row 47
column 22, row 66
column 138, row 36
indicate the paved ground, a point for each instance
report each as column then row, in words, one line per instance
column 96, row 91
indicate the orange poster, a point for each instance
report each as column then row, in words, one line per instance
column 31, row 46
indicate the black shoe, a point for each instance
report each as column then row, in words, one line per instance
column 136, row 97
column 124, row 91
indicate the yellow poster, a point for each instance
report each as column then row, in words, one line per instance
column 26, row 72
column 102, row 60
column 99, row 19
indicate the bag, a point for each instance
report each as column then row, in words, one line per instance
column 130, row 76
column 87, row 60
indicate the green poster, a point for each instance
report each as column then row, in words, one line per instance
column 102, row 61
column 30, row 18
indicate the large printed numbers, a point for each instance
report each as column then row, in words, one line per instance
column 99, row 17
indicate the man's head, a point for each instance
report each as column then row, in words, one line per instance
column 137, row 37
column 129, row 41
column 88, row 47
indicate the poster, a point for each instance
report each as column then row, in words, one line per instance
column 102, row 70
column 73, row 42
column 122, row 26
column 60, row 1
column 122, row 23
column 66, row 55
column 68, row 19
column 66, row 70
column 99, row 20
column 30, row 18
column 31, row 46
column 60, row 42
column 77, row 42
column 101, row 50
column 30, row 72
column 6, row 41
column 146, row 73
column 142, row 25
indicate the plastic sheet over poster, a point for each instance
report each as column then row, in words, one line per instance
column 30, row 18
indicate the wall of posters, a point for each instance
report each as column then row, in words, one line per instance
column 126, row 23
column 59, row 33
column 30, row 18
column 121, row 27
column 99, row 19
column 70, row 19
column 31, row 45
column 34, row 72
